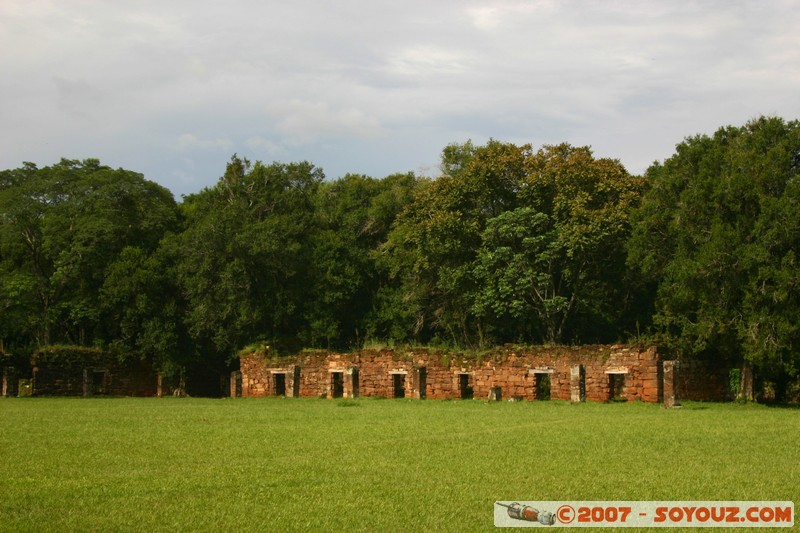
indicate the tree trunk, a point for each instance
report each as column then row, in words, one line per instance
column 746, row 389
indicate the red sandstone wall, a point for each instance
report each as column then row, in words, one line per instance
column 508, row 368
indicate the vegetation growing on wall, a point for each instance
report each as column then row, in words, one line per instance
column 69, row 356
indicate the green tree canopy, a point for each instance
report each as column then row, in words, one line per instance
column 244, row 259
column 354, row 216
column 718, row 234
column 61, row 229
column 517, row 244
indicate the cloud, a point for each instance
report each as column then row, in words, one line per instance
column 497, row 14
column 302, row 122
column 77, row 97
column 261, row 145
column 422, row 61
column 188, row 142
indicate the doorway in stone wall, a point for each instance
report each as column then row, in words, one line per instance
column 398, row 385
column 542, row 383
column 616, row 387
column 465, row 391
column 279, row 384
column 99, row 382
column 542, row 386
column 337, row 384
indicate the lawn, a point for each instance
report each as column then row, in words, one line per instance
column 171, row 464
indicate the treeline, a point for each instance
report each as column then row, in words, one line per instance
column 510, row 244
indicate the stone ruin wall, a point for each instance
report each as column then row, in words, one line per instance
column 510, row 372
column 108, row 380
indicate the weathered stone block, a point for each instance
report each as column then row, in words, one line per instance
column 577, row 375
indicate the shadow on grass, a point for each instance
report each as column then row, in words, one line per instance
column 695, row 407
column 782, row 405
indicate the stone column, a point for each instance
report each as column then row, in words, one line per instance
column 352, row 382
column 670, row 382
column 420, row 383
column 293, row 385
column 577, row 383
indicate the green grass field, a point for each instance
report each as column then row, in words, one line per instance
column 370, row 465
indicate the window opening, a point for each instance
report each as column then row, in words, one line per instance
column 398, row 385
column 542, row 386
column 616, row 388
column 337, row 384
column 279, row 384
column 98, row 382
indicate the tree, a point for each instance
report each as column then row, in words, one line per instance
column 717, row 234
column 354, row 215
column 519, row 243
column 554, row 267
column 245, row 257
column 435, row 240
column 61, row 227
column 143, row 310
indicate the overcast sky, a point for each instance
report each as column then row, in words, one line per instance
column 172, row 88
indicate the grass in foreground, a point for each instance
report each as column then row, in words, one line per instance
column 370, row 465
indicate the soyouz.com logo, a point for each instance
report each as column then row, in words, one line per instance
column 643, row 514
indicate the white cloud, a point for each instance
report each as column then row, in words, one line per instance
column 260, row 145
column 302, row 122
column 422, row 61
column 189, row 142
column 77, row 97
column 491, row 16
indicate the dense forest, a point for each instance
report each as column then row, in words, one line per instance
column 511, row 244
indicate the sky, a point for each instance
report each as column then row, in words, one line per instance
column 173, row 88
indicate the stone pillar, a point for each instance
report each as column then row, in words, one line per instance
column 293, row 385
column 577, row 383
column 420, row 383
column 236, row 384
column 87, row 389
column 351, row 386
column 670, row 382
